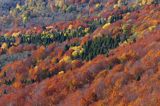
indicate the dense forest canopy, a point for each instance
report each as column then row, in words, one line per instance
column 79, row 52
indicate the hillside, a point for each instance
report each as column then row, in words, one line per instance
column 80, row 53
column 27, row 13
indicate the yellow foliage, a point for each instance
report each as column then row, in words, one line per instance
column 109, row 18
column 152, row 28
column 143, row 2
column 75, row 53
column 78, row 50
column 4, row 46
column 16, row 34
column 24, row 18
column 106, row 25
column 125, row 43
column 36, row 68
column 65, row 34
column 48, row 34
column 74, row 61
column 81, row 51
column 70, row 26
column 18, row 7
column 66, row 59
column 129, row 41
column 59, row 3
column 6, row 34
column 30, row 1
column 127, row 15
column 97, row 5
column 61, row 72
column 119, row 3
column 86, row 30
column 115, row 6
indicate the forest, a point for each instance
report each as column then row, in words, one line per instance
column 79, row 52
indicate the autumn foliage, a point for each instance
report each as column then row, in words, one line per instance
column 111, row 56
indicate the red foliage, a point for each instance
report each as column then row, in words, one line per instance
column 129, row 75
